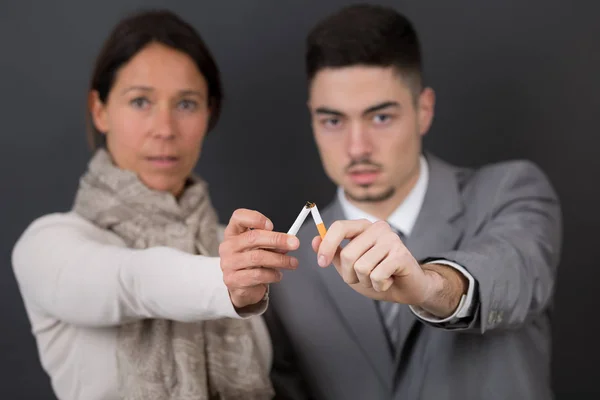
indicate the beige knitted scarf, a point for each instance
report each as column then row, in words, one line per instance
column 161, row 359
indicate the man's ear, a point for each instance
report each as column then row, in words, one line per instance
column 426, row 109
column 98, row 111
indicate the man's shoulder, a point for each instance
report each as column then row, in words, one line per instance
column 501, row 175
column 510, row 169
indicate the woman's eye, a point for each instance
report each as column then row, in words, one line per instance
column 140, row 102
column 187, row 105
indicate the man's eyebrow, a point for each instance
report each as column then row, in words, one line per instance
column 329, row 111
column 381, row 106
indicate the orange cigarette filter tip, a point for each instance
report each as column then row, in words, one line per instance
column 318, row 220
column 322, row 230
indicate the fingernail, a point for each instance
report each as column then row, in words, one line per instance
column 280, row 275
column 322, row 261
column 269, row 225
column 294, row 262
column 292, row 241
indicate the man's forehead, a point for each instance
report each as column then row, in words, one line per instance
column 357, row 73
column 356, row 88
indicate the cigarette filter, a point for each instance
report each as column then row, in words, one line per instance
column 318, row 220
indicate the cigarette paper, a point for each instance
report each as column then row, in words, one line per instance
column 299, row 221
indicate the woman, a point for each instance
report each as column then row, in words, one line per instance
column 125, row 293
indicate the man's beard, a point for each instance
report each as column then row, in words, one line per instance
column 368, row 198
column 371, row 198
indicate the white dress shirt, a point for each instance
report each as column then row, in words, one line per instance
column 403, row 219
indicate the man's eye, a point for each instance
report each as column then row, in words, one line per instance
column 382, row 118
column 331, row 122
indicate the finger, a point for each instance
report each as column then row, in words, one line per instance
column 368, row 261
column 258, row 258
column 382, row 276
column 338, row 231
column 357, row 247
column 279, row 251
column 258, row 238
column 243, row 219
column 251, row 277
column 316, row 242
column 349, row 255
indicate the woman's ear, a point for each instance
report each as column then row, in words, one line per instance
column 98, row 111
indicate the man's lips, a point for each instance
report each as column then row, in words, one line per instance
column 364, row 176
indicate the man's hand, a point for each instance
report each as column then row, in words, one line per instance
column 251, row 256
column 376, row 264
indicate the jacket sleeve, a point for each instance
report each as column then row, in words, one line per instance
column 514, row 254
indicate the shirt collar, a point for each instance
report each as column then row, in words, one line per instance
column 404, row 217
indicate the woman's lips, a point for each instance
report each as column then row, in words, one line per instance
column 163, row 161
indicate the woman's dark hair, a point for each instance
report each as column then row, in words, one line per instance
column 134, row 33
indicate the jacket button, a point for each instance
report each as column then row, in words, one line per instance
column 492, row 317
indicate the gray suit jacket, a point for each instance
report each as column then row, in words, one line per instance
column 503, row 224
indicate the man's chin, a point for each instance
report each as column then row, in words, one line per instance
column 367, row 194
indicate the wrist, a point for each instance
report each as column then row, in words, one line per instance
column 446, row 287
column 242, row 302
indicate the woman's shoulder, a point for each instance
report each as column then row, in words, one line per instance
column 64, row 226
column 67, row 221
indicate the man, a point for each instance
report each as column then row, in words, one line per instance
column 442, row 276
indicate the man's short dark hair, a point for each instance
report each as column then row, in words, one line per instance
column 366, row 35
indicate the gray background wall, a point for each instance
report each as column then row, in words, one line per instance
column 514, row 79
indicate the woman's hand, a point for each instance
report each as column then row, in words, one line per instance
column 252, row 255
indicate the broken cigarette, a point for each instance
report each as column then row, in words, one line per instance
column 299, row 221
column 318, row 221
column 308, row 208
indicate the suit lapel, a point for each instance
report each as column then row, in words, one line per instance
column 359, row 313
column 438, row 227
